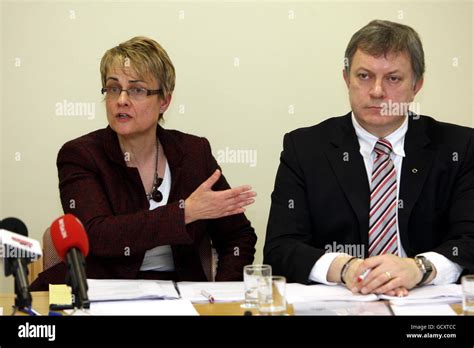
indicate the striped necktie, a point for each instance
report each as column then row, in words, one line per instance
column 383, row 202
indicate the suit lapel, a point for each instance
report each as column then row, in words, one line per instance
column 348, row 166
column 415, row 168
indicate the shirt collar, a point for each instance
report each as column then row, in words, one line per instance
column 367, row 140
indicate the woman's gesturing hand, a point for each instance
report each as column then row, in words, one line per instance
column 204, row 203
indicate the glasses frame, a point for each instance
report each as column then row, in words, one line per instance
column 148, row 91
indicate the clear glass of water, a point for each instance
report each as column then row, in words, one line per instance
column 468, row 294
column 253, row 276
column 272, row 296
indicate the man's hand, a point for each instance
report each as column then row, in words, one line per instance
column 352, row 273
column 389, row 274
column 204, row 203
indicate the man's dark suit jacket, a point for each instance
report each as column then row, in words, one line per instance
column 321, row 195
column 108, row 197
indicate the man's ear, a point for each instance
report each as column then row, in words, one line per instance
column 346, row 77
column 418, row 85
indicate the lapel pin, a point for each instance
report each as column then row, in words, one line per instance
column 414, row 170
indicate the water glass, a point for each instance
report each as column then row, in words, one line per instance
column 253, row 276
column 468, row 294
column 272, row 296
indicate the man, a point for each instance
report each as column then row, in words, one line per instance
column 381, row 199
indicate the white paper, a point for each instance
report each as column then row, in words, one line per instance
column 437, row 309
column 119, row 289
column 319, row 292
column 139, row 307
column 428, row 294
column 341, row 308
column 1, row 310
column 220, row 291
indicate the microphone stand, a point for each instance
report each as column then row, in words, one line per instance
column 76, row 279
column 23, row 299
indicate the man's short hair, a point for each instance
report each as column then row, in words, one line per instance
column 383, row 37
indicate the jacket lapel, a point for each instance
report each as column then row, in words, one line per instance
column 173, row 151
column 174, row 155
column 348, row 166
column 415, row 168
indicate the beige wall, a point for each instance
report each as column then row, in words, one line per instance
column 288, row 75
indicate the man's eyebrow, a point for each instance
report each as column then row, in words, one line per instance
column 362, row 68
column 389, row 73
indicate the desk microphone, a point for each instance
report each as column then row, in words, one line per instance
column 72, row 245
column 15, row 263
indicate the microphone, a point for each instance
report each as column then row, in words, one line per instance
column 72, row 245
column 18, row 252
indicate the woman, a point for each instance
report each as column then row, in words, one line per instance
column 149, row 197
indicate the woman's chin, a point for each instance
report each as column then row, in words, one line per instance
column 121, row 128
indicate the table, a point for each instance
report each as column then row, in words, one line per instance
column 41, row 304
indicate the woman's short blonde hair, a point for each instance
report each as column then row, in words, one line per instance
column 146, row 57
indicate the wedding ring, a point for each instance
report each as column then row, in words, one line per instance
column 389, row 276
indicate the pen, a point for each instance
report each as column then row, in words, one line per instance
column 207, row 295
column 26, row 310
column 363, row 275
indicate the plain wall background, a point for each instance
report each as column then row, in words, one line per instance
column 247, row 73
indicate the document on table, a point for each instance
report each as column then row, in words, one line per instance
column 423, row 309
column 1, row 310
column 119, row 289
column 220, row 291
column 319, row 292
column 426, row 294
column 429, row 294
column 138, row 307
column 341, row 308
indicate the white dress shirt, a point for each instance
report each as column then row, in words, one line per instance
column 160, row 258
column 446, row 271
